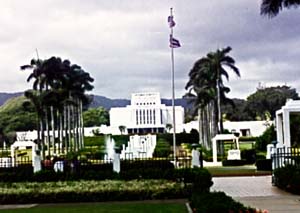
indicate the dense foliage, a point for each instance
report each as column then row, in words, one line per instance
column 14, row 116
column 271, row 8
column 89, row 191
column 264, row 165
column 58, row 95
column 206, row 90
column 288, row 178
column 262, row 105
column 266, row 138
column 217, row 202
column 95, row 117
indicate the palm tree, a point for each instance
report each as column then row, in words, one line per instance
column 271, row 8
column 218, row 61
column 64, row 86
column 206, row 90
column 37, row 100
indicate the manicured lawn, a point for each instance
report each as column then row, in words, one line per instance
column 104, row 207
column 235, row 171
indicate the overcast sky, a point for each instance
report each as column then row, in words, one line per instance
column 123, row 44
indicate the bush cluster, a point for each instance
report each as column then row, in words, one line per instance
column 288, row 178
column 249, row 155
column 264, row 165
column 267, row 137
column 216, row 202
column 89, row 191
column 234, row 162
column 180, row 138
column 162, row 149
column 94, row 141
column 69, row 187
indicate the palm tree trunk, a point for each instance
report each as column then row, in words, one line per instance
column 60, row 130
column 66, row 138
column 200, row 126
column 69, row 129
column 76, row 133
column 53, row 129
column 42, row 139
column 48, row 132
column 81, row 126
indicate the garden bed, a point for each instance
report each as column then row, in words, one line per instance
column 89, row 191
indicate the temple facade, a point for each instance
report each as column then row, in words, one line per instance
column 146, row 114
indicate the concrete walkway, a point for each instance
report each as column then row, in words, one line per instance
column 258, row 192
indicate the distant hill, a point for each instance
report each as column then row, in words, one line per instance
column 98, row 101
column 5, row 96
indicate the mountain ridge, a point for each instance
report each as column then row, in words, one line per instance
column 103, row 101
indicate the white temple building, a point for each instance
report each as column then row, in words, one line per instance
column 283, row 129
column 145, row 114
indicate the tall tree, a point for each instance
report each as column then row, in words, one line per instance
column 64, row 85
column 265, row 101
column 207, row 90
column 271, row 8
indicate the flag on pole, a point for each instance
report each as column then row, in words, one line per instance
column 171, row 21
column 174, row 43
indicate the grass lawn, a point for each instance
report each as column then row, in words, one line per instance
column 104, row 207
column 250, row 170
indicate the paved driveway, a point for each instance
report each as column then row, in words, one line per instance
column 257, row 191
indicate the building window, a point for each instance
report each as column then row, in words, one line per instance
column 144, row 117
column 140, row 117
column 147, row 116
column 154, row 117
column 137, row 117
column 150, row 112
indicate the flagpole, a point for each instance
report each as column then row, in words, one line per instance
column 173, row 96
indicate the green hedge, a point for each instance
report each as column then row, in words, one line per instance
column 189, row 138
column 89, row 191
column 94, row 141
column 249, row 155
column 162, row 149
column 264, row 165
column 234, row 162
column 216, row 202
column 288, row 178
column 199, row 180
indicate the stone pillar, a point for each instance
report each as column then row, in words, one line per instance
column 214, row 146
column 116, row 163
column 279, row 133
column 195, row 158
column 37, row 166
column 286, row 128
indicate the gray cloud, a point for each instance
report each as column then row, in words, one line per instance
column 124, row 44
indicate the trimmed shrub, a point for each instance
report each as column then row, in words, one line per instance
column 196, row 179
column 234, row 162
column 267, row 137
column 162, row 149
column 146, row 169
column 89, row 191
column 264, row 165
column 216, row 202
column 20, row 173
column 180, row 138
column 249, row 155
column 120, row 140
column 94, row 140
column 288, row 178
